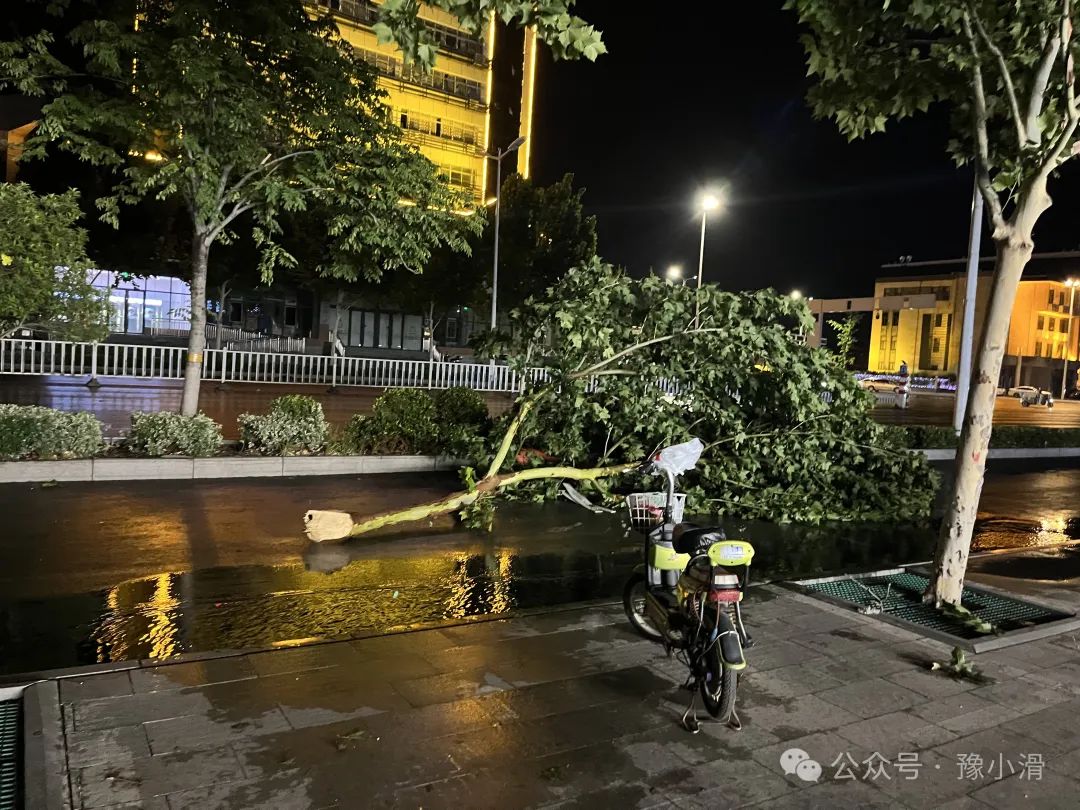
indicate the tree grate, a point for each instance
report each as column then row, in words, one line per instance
column 10, row 754
column 900, row 596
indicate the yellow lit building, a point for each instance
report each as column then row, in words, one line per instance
column 928, row 340
column 449, row 112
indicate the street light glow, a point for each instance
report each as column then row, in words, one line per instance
column 710, row 202
column 796, row 294
column 1072, row 282
column 674, row 272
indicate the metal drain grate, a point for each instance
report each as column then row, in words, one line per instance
column 10, row 725
column 903, row 600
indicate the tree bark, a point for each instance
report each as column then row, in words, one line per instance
column 954, row 540
column 321, row 525
column 189, row 403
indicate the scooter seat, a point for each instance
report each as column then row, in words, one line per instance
column 689, row 538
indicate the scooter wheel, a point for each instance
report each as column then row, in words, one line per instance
column 634, row 605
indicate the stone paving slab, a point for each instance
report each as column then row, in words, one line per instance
column 571, row 709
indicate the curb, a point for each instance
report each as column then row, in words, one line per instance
column 949, row 453
column 45, row 777
column 141, row 469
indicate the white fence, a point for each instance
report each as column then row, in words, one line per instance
column 61, row 358
column 167, row 327
column 283, row 345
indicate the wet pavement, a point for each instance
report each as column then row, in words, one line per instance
column 100, row 572
column 571, row 709
column 114, row 402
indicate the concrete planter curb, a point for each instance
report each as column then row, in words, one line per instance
column 142, row 469
column 45, row 782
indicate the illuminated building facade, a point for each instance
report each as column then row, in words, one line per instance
column 478, row 96
column 928, row 340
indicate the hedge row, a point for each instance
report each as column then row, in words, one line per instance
column 933, row 437
column 451, row 422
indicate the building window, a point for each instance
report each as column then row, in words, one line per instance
column 290, row 315
column 1051, row 323
column 937, row 322
column 1051, row 296
column 457, row 176
column 451, row 330
column 1064, row 325
column 404, row 120
column 236, row 311
column 1061, row 300
column 1059, row 350
column 1038, row 348
column 937, row 345
column 1042, row 322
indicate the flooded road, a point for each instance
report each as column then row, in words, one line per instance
column 92, row 573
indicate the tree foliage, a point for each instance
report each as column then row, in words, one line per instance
column 743, row 381
column 844, row 330
column 568, row 36
column 543, row 231
column 1005, row 73
column 43, row 267
column 237, row 107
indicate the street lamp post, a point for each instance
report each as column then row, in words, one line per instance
column 710, row 202
column 498, row 158
column 1072, row 284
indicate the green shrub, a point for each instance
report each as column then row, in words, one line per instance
column 168, row 434
column 461, row 406
column 932, row 437
column 34, row 432
column 462, row 421
column 402, row 421
column 294, row 425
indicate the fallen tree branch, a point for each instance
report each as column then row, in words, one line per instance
column 321, row 525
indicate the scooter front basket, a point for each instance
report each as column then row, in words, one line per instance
column 647, row 509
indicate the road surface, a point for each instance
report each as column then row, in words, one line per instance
column 937, row 409
column 98, row 572
column 114, row 402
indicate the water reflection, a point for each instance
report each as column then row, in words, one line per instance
column 538, row 556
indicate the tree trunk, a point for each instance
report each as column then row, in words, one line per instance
column 189, row 404
column 954, row 541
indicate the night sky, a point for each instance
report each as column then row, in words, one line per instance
column 716, row 99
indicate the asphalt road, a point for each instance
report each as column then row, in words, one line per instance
column 937, row 409
column 114, row 402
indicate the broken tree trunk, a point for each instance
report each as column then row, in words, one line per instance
column 321, row 525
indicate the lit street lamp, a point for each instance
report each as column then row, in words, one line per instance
column 1072, row 284
column 796, row 295
column 709, row 202
column 674, row 273
column 498, row 158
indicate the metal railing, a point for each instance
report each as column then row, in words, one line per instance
column 281, row 345
column 172, row 327
column 93, row 360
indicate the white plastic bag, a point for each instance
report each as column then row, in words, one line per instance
column 680, row 457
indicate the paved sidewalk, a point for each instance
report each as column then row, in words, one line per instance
column 571, row 709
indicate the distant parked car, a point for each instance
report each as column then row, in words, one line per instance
column 1020, row 391
column 876, row 384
